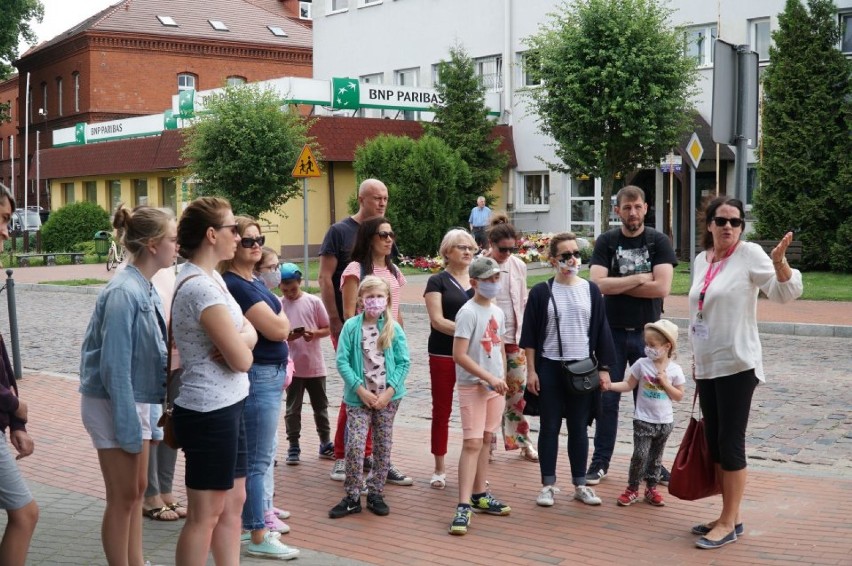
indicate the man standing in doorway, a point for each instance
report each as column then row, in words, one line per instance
column 334, row 257
column 633, row 265
column 480, row 215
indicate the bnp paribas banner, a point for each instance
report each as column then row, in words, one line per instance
column 351, row 94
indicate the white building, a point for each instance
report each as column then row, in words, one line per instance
column 401, row 41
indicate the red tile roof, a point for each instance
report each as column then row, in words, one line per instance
column 338, row 137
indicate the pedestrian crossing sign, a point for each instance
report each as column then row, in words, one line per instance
column 306, row 165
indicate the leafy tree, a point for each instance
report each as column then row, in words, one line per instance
column 245, row 147
column 462, row 122
column 424, row 178
column 807, row 117
column 615, row 88
column 73, row 224
column 15, row 18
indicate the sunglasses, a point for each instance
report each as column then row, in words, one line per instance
column 385, row 235
column 250, row 242
column 507, row 250
column 568, row 255
column 720, row 221
column 231, row 227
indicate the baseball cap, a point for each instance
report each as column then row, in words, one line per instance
column 483, row 268
column 289, row 271
column 667, row 328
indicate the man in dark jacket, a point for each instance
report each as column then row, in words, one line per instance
column 15, row 496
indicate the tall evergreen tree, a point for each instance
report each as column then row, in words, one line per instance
column 806, row 143
column 462, row 122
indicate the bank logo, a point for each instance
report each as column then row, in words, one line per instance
column 80, row 133
column 345, row 94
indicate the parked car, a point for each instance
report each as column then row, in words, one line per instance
column 30, row 215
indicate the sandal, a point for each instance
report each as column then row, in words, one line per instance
column 178, row 508
column 529, row 454
column 439, row 481
column 157, row 514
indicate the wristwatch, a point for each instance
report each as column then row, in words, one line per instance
column 603, row 368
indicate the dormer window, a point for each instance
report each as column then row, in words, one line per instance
column 167, row 21
column 277, row 31
column 218, row 25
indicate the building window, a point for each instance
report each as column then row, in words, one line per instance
column 168, row 193
column 374, row 79
column 43, row 108
column 90, row 190
column 846, row 31
column 68, row 193
column 305, row 10
column 218, row 25
column 752, row 182
column 490, row 72
column 582, row 202
column 699, row 42
column 76, row 77
column 760, row 38
column 536, row 190
column 59, row 96
column 167, row 21
column 277, row 31
column 186, row 81
column 30, row 97
column 338, row 5
column 140, row 192
column 408, row 77
column 235, row 81
column 114, row 194
column 528, row 63
column 368, row 2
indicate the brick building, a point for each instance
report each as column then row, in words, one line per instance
column 129, row 59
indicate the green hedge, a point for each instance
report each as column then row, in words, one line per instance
column 72, row 225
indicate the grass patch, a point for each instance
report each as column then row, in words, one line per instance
column 819, row 285
column 75, row 282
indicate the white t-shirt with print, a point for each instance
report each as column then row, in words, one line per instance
column 483, row 326
column 653, row 404
column 206, row 385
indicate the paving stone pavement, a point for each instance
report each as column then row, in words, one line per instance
column 801, row 427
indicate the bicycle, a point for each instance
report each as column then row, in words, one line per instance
column 115, row 255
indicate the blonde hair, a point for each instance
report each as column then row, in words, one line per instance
column 455, row 237
column 672, row 345
column 141, row 226
column 372, row 283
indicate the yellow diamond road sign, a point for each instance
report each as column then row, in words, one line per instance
column 694, row 150
column 306, row 165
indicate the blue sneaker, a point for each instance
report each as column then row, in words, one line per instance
column 326, row 451
column 489, row 505
column 461, row 521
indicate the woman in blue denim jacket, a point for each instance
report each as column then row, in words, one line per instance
column 122, row 371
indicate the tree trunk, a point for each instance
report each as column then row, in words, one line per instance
column 606, row 197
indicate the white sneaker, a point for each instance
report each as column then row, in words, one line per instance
column 338, row 471
column 272, row 547
column 586, row 495
column 545, row 498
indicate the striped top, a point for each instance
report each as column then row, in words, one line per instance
column 575, row 310
column 354, row 270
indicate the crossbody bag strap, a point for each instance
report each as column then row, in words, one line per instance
column 556, row 316
column 171, row 341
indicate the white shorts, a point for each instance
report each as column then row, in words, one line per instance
column 97, row 418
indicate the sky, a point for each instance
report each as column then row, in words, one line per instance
column 60, row 15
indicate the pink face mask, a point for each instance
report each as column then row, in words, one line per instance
column 375, row 306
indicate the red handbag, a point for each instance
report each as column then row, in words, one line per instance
column 694, row 472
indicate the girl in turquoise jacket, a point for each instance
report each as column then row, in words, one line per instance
column 372, row 358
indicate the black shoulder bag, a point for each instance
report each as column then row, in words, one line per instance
column 580, row 376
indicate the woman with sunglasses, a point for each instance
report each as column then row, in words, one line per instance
column 729, row 274
column 215, row 342
column 512, row 300
column 565, row 320
column 446, row 292
column 266, row 385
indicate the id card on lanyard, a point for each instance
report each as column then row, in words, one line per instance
column 699, row 328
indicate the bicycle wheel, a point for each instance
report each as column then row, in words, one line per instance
column 111, row 259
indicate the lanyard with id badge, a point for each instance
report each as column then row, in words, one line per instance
column 699, row 328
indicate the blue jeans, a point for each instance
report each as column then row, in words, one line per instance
column 629, row 347
column 263, row 406
column 554, row 402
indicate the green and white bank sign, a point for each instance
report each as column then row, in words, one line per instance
column 351, row 94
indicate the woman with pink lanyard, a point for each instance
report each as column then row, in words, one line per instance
column 729, row 274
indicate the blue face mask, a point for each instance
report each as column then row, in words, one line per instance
column 488, row 289
column 271, row 278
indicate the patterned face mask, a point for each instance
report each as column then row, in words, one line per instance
column 375, row 306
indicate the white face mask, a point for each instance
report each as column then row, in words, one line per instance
column 488, row 289
column 654, row 354
column 375, row 306
column 271, row 278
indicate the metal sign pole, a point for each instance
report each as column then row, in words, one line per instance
column 305, row 224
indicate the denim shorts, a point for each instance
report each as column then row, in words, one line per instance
column 214, row 444
column 96, row 415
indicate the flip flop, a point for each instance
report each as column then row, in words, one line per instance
column 178, row 508
column 439, row 481
column 157, row 514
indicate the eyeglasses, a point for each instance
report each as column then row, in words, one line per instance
column 232, row 227
column 507, row 250
column 720, row 221
column 250, row 242
column 385, row 235
column 568, row 255
column 466, row 248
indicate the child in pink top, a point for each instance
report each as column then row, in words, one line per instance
column 309, row 322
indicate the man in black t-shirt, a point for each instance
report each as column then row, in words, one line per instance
column 633, row 265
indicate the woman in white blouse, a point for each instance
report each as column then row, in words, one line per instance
column 729, row 274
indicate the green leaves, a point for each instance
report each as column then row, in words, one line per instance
column 15, row 18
